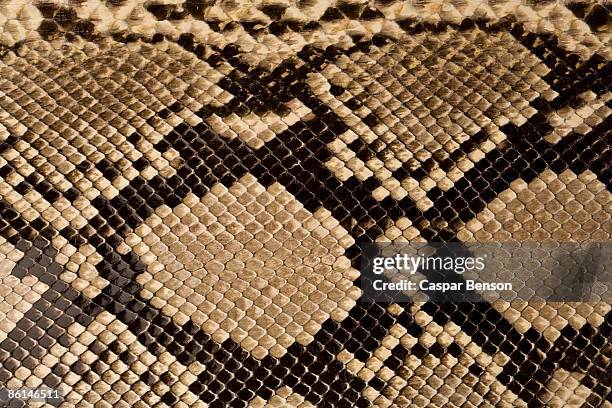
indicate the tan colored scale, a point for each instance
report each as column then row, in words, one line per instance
column 247, row 263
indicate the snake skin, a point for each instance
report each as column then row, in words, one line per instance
column 183, row 186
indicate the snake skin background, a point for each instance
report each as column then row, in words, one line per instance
column 183, row 186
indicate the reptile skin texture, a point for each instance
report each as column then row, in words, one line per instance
column 184, row 184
